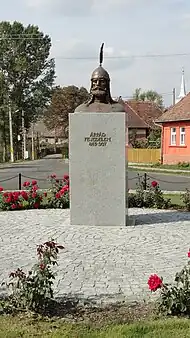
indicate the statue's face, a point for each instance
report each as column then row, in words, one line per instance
column 99, row 87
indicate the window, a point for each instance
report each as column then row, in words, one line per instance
column 173, row 136
column 182, row 136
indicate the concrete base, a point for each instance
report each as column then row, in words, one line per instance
column 97, row 169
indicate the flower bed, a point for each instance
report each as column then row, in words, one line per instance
column 31, row 197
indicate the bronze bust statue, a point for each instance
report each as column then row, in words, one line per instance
column 100, row 96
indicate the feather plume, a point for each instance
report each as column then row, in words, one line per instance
column 101, row 53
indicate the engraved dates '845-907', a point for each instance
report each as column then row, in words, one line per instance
column 97, row 139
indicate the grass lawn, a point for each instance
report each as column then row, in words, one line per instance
column 175, row 199
column 157, row 170
column 15, row 327
column 172, row 166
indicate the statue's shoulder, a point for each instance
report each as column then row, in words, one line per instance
column 81, row 108
column 118, row 107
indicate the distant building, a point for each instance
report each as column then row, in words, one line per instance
column 175, row 123
column 141, row 116
column 44, row 135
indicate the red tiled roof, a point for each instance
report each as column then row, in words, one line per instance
column 134, row 120
column 147, row 110
column 178, row 112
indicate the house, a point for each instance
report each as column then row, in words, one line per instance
column 175, row 122
column 148, row 111
column 44, row 135
column 136, row 124
column 141, row 116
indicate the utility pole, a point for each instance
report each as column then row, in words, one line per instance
column 11, row 134
column 32, row 141
column 174, row 99
column 23, row 137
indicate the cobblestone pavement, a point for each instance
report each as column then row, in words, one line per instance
column 99, row 263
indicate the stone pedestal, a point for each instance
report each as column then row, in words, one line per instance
column 97, row 169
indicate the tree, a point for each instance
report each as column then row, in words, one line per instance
column 28, row 73
column 64, row 101
column 154, row 138
column 149, row 95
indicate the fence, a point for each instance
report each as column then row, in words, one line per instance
column 144, row 178
column 143, row 155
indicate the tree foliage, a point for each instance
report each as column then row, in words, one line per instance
column 64, row 101
column 149, row 95
column 152, row 141
column 26, row 72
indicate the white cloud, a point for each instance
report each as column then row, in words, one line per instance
column 81, row 54
column 82, row 7
column 61, row 7
column 78, row 71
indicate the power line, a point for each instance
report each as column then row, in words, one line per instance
column 130, row 97
column 32, row 37
column 123, row 57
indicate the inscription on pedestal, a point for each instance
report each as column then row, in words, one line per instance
column 98, row 139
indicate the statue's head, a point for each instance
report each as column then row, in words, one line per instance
column 100, row 83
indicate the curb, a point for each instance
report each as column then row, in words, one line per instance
column 160, row 170
column 131, row 191
column 165, row 192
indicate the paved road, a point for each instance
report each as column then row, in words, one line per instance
column 99, row 263
column 41, row 169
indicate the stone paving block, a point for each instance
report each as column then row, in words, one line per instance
column 118, row 262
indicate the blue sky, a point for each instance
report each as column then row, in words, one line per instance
column 127, row 27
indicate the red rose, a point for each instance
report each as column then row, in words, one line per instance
column 36, row 205
column 24, row 195
column 13, row 206
column 66, row 177
column 154, row 282
column 26, row 184
column 16, row 195
column 57, row 195
column 53, row 176
column 154, row 184
column 35, row 188
column 6, row 194
column 34, row 195
column 45, row 194
column 8, row 200
column 34, row 182
column 1, row 189
column 188, row 254
column 42, row 266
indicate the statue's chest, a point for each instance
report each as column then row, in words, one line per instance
column 101, row 108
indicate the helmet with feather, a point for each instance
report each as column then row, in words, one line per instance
column 101, row 76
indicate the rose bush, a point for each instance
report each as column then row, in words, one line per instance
column 59, row 197
column 174, row 298
column 30, row 198
column 34, row 195
column 32, row 291
column 152, row 197
column 12, row 200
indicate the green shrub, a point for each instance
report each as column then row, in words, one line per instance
column 175, row 298
column 33, row 290
column 185, row 197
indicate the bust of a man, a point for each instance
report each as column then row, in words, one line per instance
column 100, row 96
